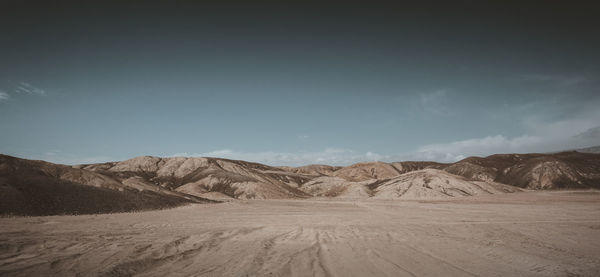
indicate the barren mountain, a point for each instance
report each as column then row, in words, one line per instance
column 380, row 170
column 421, row 184
column 534, row 171
column 593, row 149
column 30, row 187
column 206, row 177
column 37, row 187
column 328, row 186
column 433, row 183
column 365, row 171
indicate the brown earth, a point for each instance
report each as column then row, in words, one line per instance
column 542, row 233
column 380, row 170
column 534, row 171
column 420, row 184
column 434, row 184
column 41, row 188
column 201, row 176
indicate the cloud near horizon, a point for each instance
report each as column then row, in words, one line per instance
column 443, row 152
column 539, row 139
column 540, row 136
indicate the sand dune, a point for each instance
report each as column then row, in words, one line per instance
column 524, row 234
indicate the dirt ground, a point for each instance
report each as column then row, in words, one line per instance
column 517, row 234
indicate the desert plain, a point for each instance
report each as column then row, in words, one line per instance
column 532, row 233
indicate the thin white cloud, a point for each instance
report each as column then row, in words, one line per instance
column 541, row 137
column 435, row 102
column 303, row 137
column 24, row 87
column 427, row 98
column 543, row 142
column 563, row 80
column 577, row 128
column 11, row 89
column 4, row 96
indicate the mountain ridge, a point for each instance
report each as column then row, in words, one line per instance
column 147, row 182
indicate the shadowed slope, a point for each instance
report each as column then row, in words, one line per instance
column 534, row 171
column 40, row 188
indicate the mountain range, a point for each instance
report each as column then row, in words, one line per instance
column 29, row 187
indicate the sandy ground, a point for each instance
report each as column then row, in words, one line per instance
column 520, row 234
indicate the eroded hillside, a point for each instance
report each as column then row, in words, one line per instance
column 38, row 187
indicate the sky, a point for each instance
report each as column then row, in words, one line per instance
column 295, row 84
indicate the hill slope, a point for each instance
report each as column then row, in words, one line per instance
column 421, row 184
column 205, row 176
column 434, row 183
column 533, row 171
column 593, row 149
column 40, row 188
column 329, row 186
column 380, row 170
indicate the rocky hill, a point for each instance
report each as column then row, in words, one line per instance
column 206, row 177
column 329, row 186
column 433, row 184
column 380, row 170
column 30, row 187
column 533, row 171
column 427, row 183
column 39, row 188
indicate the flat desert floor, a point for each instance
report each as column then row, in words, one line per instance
column 519, row 234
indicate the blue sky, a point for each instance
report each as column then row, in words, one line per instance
column 264, row 87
